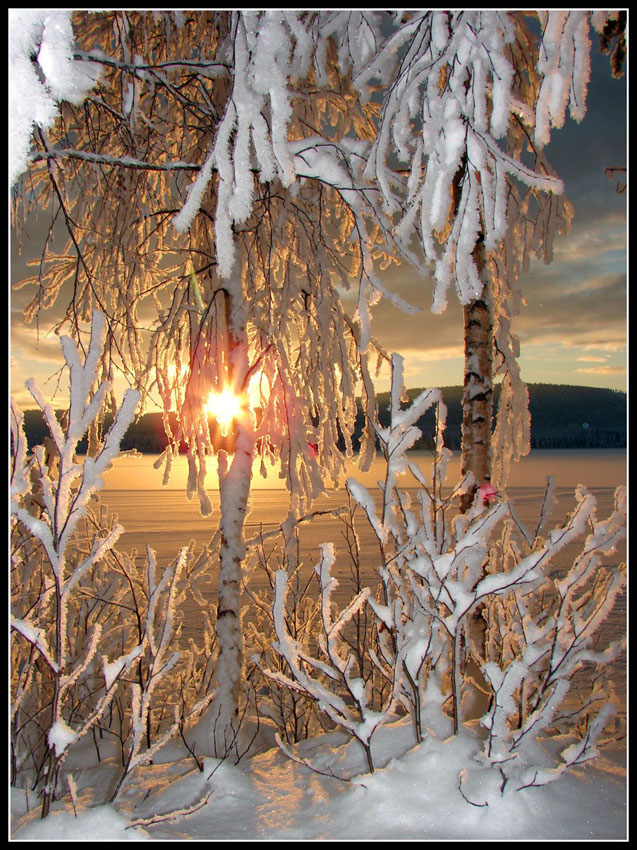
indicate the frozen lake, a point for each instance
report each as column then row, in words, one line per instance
column 166, row 520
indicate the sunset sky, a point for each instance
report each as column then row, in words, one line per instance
column 573, row 329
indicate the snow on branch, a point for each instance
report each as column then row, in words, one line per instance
column 42, row 73
column 455, row 91
column 564, row 65
column 255, row 121
column 37, row 638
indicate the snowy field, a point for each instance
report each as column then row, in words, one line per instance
column 415, row 796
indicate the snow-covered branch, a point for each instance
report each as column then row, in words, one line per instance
column 37, row 85
column 112, row 161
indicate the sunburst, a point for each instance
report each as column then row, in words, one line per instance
column 225, row 406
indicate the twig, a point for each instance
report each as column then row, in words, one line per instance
column 461, row 777
column 305, row 762
column 174, row 815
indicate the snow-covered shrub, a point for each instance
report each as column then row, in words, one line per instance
column 50, row 495
column 169, row 685
column 540, row 637
column 427, row 563
column 443, row 571
column 92, row 634
column 329, row 674
column 159, row 634
column 292, row 711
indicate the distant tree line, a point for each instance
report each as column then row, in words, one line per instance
column 562, row 417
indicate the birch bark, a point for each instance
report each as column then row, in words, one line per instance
column 477, row 397
column 235, row 481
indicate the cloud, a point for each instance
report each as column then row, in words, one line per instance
column 587, row 312
column 609, row 346
column 599, row 237
column 29, row 346
column 602, row 370
column 588, row 359
column 574, row 306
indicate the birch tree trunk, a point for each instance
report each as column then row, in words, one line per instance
column 235, row 481
column 477, row 396
column 477, row 413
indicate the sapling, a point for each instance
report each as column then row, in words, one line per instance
column 329, row 676
column 51, row 516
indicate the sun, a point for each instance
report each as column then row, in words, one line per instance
column 225, row 407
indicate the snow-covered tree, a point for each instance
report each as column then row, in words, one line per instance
column 321, row 143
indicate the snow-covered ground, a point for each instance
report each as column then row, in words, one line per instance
column 414, row 796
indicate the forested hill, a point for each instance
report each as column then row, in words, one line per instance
column 563, row 417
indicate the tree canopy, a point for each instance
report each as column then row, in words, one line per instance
column 223, row 176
